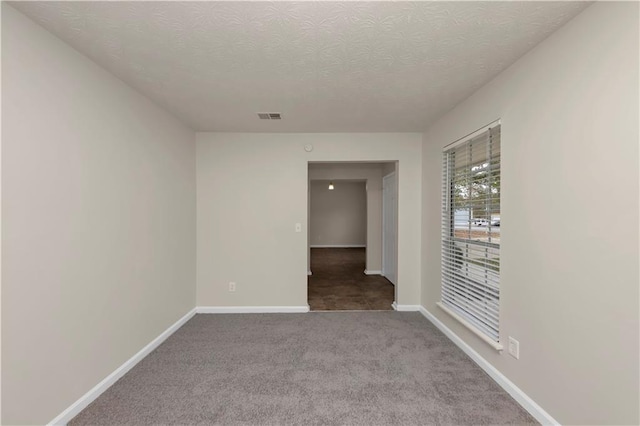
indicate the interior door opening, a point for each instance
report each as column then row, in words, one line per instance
column 346, row 231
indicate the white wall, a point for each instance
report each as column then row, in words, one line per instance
column 98, row 222
column 252, row 189
column 569, row 253
column 339, row 216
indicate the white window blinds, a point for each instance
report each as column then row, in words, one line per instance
column 471, row 231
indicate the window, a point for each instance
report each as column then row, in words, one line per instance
column 471, row 232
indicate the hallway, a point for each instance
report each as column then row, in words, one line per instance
column 338, row 282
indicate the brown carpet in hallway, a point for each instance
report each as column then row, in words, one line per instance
column 338, row 282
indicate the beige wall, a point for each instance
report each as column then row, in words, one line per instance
column 569, row 254
column 372, row 174
column 98, row 222
column 338, row 217
column 252, row 189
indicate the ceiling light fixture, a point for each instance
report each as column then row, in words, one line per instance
column 330, row 186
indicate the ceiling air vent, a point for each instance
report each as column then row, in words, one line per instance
column 269, row 116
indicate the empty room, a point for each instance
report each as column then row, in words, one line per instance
column 163, row 164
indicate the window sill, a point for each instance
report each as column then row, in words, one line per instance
column 467, row 324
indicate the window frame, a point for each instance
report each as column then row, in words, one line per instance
column 472, row 298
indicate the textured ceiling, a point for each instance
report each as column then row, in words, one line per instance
column 326, row 66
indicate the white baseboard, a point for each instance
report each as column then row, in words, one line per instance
column 250, row 309
column 68, row 414
column 522, row 398
column 406, row 308
column 367, row 272
column 338, row 246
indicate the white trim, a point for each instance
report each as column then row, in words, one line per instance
column 338, row 246
column 86, row 399
column 390, row 273
column 309, row 272
column 406, row 308
column 472, row 328
column 522, row 398
column 250, row 309
column 366, row 272
column 394, row 305
column 472, row 135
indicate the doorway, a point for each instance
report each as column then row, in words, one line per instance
column 345, row 237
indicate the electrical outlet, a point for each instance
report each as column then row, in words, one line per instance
column 514, row 348
column 232, row 286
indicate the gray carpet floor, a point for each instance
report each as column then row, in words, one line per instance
column 356, row 368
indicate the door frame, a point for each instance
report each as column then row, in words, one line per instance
column 393, row 185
